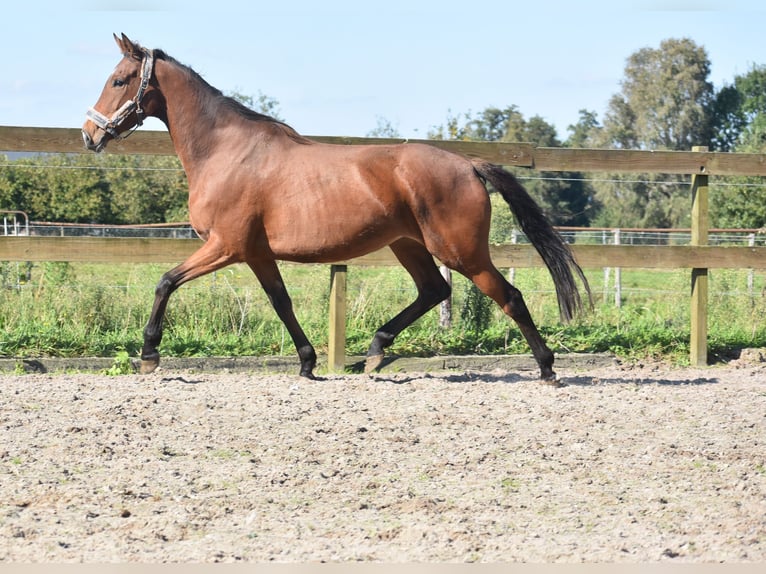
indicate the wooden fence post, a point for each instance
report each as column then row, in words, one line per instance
column 445, row 307
column 617, row 273
column 699, row 236
column 750, row 272
column 336, row 345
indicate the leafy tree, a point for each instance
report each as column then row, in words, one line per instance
column 54, row 188
column 71, row 193
column 667, row 103
column 452, row 130
column 146, row 189
column 728, row 119
column 13, row 182
column 740, row 203
column 383, row 129
column 79, row 188
column 585, row 131
column 666, row 100
column 739, row 110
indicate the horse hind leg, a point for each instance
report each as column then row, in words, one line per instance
column 491, row 282
column 432, row 290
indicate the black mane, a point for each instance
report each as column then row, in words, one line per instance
column 217, row 97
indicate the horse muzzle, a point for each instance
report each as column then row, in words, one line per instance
column 92, row 144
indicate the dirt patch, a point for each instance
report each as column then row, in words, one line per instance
column 627, row 463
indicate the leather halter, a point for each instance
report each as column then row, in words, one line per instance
column 110, row 125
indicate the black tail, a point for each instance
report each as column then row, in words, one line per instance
column 549, row 244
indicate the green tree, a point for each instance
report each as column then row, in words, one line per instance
column 739, row 111
column 585, row 132
column 739, row 203
column 13, row 182
column 383, row 129
column 80, row 188
column 146, row 189
column 666, row 103
column 453, row 129
column 55, row 187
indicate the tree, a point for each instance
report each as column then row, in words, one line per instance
column 80, row 188
column 666, row 103
column 666, row 100
column 741, row 122
column 384, row 129
column 728, row 119
column 54, row 188
column 585, row 131
column 146, row 189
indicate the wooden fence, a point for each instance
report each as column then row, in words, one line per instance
column 698, row 257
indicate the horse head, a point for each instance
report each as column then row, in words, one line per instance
column 127, row 97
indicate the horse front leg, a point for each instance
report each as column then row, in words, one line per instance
column 208, row 258
column 150, row 356
column 270, row 278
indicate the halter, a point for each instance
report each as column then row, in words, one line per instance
column 110, row 125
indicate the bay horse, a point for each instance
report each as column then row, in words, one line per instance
column 260, row 192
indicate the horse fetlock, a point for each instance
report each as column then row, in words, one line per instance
column 380, row 341
column 308, row 358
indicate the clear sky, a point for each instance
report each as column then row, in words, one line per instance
column 336, row 66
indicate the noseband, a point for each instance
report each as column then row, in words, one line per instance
column 110, row 125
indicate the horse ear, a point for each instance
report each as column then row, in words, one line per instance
column 128, row 47
column 119, row 43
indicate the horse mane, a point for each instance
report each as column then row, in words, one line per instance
column 215, row 97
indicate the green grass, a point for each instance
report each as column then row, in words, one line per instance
column 71, row 310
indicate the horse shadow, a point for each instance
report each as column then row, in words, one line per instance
column 667, row 380
column 561, row 382
column 527, row 376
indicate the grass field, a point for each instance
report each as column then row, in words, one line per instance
column 98, row 310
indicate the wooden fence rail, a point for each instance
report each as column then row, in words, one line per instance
column 699, row 164
column 167, row 250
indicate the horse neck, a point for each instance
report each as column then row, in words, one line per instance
column 187, row 115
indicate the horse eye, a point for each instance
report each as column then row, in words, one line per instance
column 117, row 83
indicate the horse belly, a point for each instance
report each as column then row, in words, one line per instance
column 328, row 243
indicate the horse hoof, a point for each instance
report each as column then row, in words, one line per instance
column 551, row 380
column 372, row 363
column 149, row 365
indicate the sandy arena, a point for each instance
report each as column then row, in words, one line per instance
column 622, row 463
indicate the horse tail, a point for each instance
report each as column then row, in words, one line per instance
column 552, row 248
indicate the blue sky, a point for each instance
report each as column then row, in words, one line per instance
column 336, row 66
